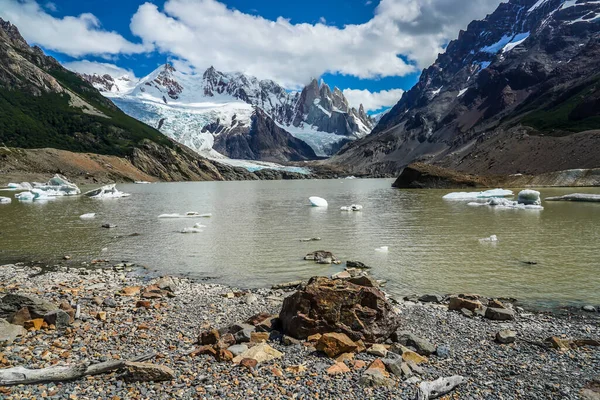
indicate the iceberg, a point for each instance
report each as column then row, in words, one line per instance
column 353, row 207
column 88, row 216
column 141, row 182
column 382, row 249
column 106, row 192
column 529, row 197
column 594, row 198
column 491, row 239
column 318, row 201
column 58, row 186
column 191, row 230
column 189, row 214
column 19, row 186
column 5, row 200
column 478, row 195
column 505, row 203
column 24, row 196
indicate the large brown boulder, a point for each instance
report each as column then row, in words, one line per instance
column 327, row 305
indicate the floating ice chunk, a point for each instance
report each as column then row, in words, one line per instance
column 39, row 194
column 478, row 195
column 141, row 182
column 594, row 198
column 88, row 216
column 353, row 207
column 529, row 197
column 382, row 249
column 199, row 226
column 318, row 201
column 504, row 203
column 191, row 230
column 491, row 239
column 24, row 196
column 19, row 186
column 106, row 192
column 58, row 186
column 189, row 214
column 5, row 200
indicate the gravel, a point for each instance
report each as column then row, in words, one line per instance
column 170, row 327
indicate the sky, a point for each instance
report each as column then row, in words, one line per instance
column 373, row 50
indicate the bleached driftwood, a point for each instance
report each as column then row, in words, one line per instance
column 24, row 376
column 439, row 387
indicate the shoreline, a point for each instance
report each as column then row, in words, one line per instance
column 172, row 324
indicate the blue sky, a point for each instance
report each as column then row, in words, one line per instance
column 371, row 49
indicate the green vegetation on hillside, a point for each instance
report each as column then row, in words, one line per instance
column 574, row 110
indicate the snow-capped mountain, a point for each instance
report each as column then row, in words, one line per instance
column 107, row 84
column 193, row 108
column 514, row 93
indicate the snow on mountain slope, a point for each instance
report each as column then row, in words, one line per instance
column 182, row 105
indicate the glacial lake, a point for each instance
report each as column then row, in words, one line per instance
column 253, row 237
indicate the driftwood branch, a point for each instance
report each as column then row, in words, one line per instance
column 24, row 376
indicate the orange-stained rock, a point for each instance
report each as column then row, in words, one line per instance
column 338, row 368
column 334, row 344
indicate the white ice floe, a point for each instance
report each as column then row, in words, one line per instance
column 529, row 197
column 58, row 186
column 141, row 182
column 189, row 214
column 18, row 186
column 5, row 200
column 382, row 249
column 353, row 207
column 318, row 201
column 491, row 239
column 106, row 192
column 24, row 196
column 478, row 195
column 88, row 216
column 191, row 230
column 509, row 204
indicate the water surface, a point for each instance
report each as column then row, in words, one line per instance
column 253, row 237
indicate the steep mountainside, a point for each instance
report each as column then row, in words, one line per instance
column 182, row 104
column 43, row 105
column 516, row 92
column 262, row 140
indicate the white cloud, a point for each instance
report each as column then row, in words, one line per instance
column 91, row 67
column 206, row 32
column 74, row 36
column 50, row 6
column 372, row 101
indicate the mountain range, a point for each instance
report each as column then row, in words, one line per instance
column 196, row 109
column 44, row 106
column 517, row 92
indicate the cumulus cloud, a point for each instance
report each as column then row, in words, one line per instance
column 372, row 101
column 74, row 36
column 92, row 67
column 207, row 32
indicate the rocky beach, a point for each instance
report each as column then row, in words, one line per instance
column 204, row 340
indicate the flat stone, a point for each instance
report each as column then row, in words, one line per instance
column 59, row 318
column 341, row 275
column 558, row 343
column 375, row 379
column 394, row 365
column 314, row 338
column 499, row 314
column 378, row 365
column 167, row 283
column 378, row 350
column 225, row 341
column 147, row 372
column 457, row 303
column 334, row 344
column 356, row 264
column 11, row 303
column 35, row 324
column 261, row 353
column 224, row 355
column 467, row 313
column 431, row 298
column 109, row 302
column 407, row 354
column 259, row 337
column 364, row 281
column 237, row 349
column 359, row 364
column 506, row 336
column 289, row 341
column 130, row 291
column 244, row 335
column 442, row 351
column 20, row 317
column 9, row 332
column 424, row 347
column 338, row 368
column 589, row 308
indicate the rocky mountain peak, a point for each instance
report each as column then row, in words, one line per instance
column 492, row 78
